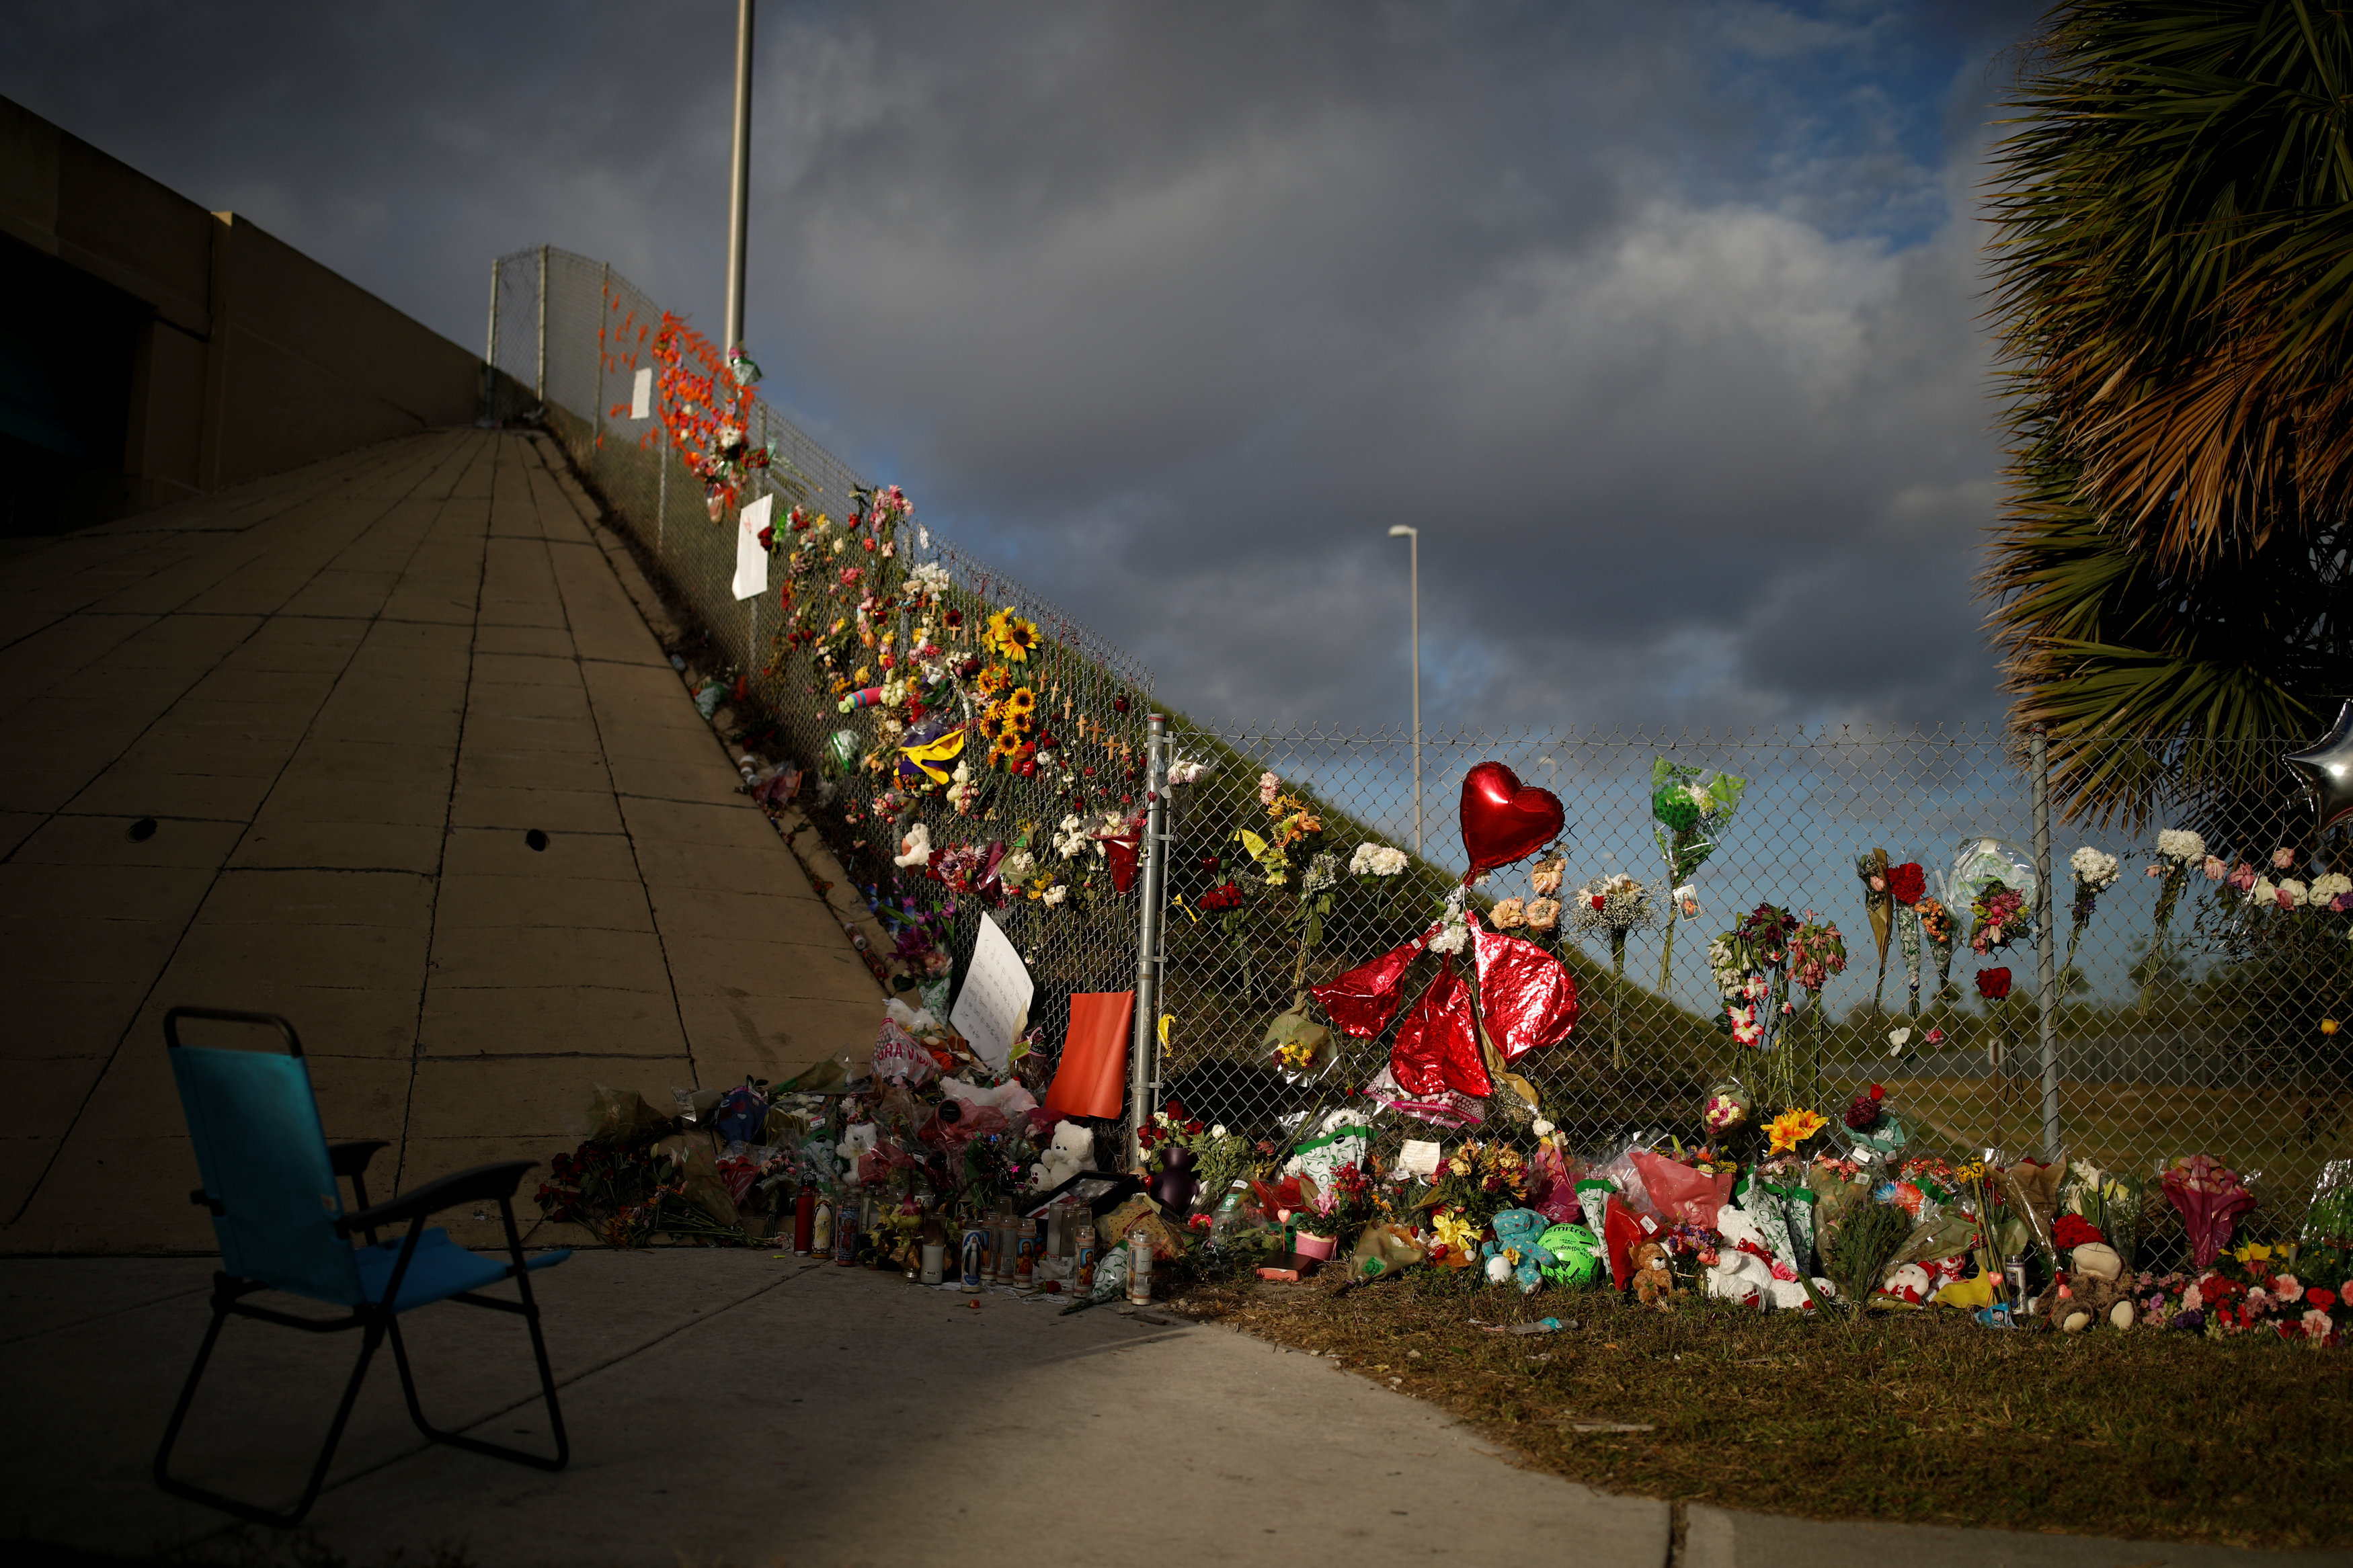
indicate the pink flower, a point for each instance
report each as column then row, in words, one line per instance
column 1268, row 786
column 2317, row 1324
column 2282, row 858
column 2286, row 1287
column 2216, row 868
column 2258, row 1300
column 1936, row 1037
column 2283, row 897
column 2192, row 1299
column 2241, row 878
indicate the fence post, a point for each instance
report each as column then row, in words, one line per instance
column 1143, row 1065
column 2046, row 972
column 540, row 380
column 491, row 352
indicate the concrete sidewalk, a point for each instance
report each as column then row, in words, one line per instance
column 731, row 1407
column 344, row 696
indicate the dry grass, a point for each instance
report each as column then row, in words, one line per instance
column 1919, row 1417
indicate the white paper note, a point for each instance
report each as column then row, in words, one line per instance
column 993, row 1008
column 1418, row 1158
column 751, row 560
column 641, row 398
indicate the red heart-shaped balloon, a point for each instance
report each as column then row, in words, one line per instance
column 1504, row 820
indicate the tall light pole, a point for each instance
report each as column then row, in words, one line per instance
column 1413, row 558
column 740, row 195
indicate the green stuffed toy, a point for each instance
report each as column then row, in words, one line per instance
column 1517, row 1249
column 1576, row 1256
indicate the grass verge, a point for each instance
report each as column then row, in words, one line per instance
column 1923, row 1418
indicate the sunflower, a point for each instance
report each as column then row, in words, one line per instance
column 1021, row 701
column 1792, row 1128
column 1010, row 637
column 994, row 680
column 1008, row 746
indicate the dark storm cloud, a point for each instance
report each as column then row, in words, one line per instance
column 1659, row 321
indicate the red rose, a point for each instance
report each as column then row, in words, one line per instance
column 1906, row 883
column 2073, row 1230
column 1993, row 984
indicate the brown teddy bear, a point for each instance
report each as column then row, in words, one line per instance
column 2090, row 1291
column 1653, row 1282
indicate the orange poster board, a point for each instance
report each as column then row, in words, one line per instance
column 1092, row 1078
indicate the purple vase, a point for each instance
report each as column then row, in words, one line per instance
column 1174, row 1186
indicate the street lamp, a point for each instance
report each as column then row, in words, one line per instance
column 739, row 183
column 1413, row 558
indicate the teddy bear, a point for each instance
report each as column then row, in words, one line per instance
column 1516, row 1251
column 856, row 1139
column 1066, row 1156
column 1653, row 1283
column 1740, row 1274
column 1909, row 1283
column 2090, row 1291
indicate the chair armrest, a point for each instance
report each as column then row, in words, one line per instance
column 351, row 1159
column 481, row 1183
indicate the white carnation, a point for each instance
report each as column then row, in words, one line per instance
column 2094, row 869
column 2263, row 894
column 1453, row 939
column 1375, row 860
column 2294, row 891
column 2330, row 885
column 2180, row 844
column 1057, row 893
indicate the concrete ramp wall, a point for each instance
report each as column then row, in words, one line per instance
column 163, row 351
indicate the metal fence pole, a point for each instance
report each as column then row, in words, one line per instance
column 491, row 352
column 661, row 494
column 540, row 379
column 1143, row 1083
column 2046, row 969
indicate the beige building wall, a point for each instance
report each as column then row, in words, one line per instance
column 250, row 358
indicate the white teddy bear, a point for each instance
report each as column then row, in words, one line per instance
column 1741, row 1275
column 1072, row 1148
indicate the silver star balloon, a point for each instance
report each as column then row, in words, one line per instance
column 2328, row 770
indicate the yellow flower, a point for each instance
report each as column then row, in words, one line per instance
column 1460, row 1164
column 1021, row 701
column 1008, row 744
column 1792, row 1128
column 1453, row 1230
column 1010, row 636
column 994, row 680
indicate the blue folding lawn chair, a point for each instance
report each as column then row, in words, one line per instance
column 269, row 1180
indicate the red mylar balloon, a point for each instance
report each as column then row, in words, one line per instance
column 1504, row 820
column 1363, row 1001
column 1526, row 998
column 1438, row 1046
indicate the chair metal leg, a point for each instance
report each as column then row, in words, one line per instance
column 371, row 1337
column 547, row 1389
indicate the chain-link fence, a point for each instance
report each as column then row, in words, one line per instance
column 1032, row 831
column 2178, row 1016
